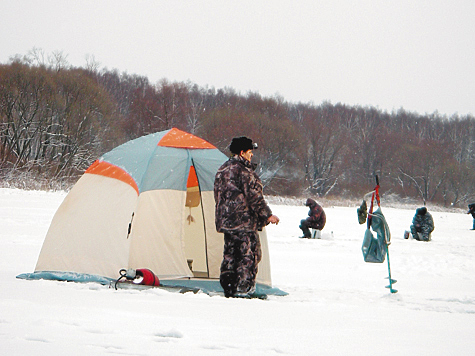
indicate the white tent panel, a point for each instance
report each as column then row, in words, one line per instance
column 264, row 273
column 214, row 239
column 88, row 233
column 157, row 241
column 195, row 241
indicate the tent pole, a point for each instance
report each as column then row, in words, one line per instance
column 204, row 220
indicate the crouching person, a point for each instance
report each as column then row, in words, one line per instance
column 316, row 219
column 422, row 225
column 241, row 212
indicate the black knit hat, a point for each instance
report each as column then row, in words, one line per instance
column 421, row 211
column 242, row 143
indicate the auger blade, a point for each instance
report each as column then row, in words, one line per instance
column 391, row 289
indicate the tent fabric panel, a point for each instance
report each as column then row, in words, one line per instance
column 181, row 139
column 192, row 178
column 195, row 242
column 134, row 156
column 112, row 171
column 157, row 234
column 152, row 166
column 168, row 168
column 88, row 233
column 264, row 272
column 214, row 239
column 207, row 163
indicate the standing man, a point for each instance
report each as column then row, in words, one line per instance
column 241, row 212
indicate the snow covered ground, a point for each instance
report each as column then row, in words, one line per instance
column 337, row 303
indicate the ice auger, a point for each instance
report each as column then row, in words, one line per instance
column 375, row 249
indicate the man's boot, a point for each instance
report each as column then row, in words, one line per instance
column 306, row 232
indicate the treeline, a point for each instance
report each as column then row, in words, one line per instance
column 55, row 120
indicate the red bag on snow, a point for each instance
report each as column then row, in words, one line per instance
column 148, row 277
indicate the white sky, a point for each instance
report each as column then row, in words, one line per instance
column 415, row 54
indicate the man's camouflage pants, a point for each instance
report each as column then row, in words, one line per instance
column 242, row 253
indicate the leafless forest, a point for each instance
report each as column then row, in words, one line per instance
column 56, row 119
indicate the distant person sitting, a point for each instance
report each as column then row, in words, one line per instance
column 471, row 210
column 316, row 220
column 422, row 225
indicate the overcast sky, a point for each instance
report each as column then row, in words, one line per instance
column 415, row 54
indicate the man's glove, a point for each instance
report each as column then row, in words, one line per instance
column 362, row 212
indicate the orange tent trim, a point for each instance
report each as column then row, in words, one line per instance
column 181, row 139
column 109, row 170
column 192, row 178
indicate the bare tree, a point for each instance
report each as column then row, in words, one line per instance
column 196, row 109
column 325, row 141
column 92, row 64
column 423, row 167
column 51, row 122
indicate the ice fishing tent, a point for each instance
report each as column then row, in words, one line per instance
column 148, row 203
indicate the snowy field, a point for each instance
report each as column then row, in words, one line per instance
column 337, row 303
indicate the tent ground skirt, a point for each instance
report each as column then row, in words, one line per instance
column 206, row 285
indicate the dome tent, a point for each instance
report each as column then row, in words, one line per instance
column 148, row 203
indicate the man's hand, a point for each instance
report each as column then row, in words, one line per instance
column 273, row 219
